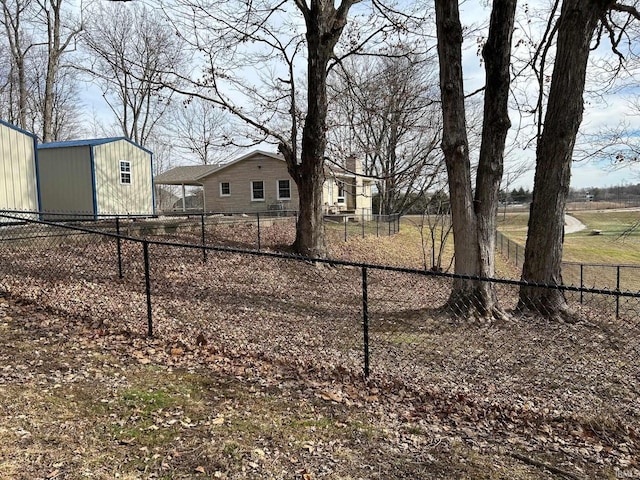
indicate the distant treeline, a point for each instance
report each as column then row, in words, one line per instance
column 438, row 203
column 617, row 193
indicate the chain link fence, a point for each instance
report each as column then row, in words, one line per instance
column 592, row 276
column 512, row 251
column 271, row 229
column 340, row 319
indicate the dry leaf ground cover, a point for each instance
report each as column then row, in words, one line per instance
column 77, row 403
column 255, row 371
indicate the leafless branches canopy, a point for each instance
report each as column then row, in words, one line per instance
column 387, row 110
column 267, row 63
column 38, row 89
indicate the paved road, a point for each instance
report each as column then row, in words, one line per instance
column 572, row 224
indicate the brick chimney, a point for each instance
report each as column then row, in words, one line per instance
column 353, row 164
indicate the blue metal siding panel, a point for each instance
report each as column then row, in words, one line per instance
column 35, row 155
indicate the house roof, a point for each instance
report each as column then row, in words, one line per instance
column 92, row 142
column 193, row 175
column 189, row 175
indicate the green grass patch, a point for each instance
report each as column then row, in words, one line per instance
column 148, row 401
column 617, row 242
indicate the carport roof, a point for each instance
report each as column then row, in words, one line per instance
column 189, row 175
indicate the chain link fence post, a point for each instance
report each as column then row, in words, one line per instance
column 147, row 283
column 365, row 321
column 258, row 220
column 618, row 292
column 204, row 241
column 344, row 220
column 581, row 283
column 119, row 247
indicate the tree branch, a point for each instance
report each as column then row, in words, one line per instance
column 619, row 7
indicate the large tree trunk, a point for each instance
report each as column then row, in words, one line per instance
column 543, row 254
column 455, row 144
column 474, row 219
column 497, row 57
column 324, row 26
column 53, row 62
column 310, row 239
column 309, row 175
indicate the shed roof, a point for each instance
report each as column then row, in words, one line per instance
column 18, row 129
column 91, row 142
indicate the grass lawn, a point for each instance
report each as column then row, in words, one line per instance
column 616, row 243
column 411, row 247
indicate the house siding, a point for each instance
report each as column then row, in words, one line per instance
column 113, row 197
column 357, row 195
column 18, row 180
column 239, row 176
column 66, row 183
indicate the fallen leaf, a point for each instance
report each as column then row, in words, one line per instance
column 218, row 420
column 331, row 396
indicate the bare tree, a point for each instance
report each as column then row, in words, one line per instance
column 161, row 144
column 60, row 35
column 579, row 23
column 130, row 47
column 38, row 34
column 511, row 174
column 267, row 62
column 437, row 218
column 387, row 110
column 15, row 13
column 474, row 214
column 65, row 121
column 201, row 130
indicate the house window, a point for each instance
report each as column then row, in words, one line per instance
column 225, row 189
column 257, row 191
column 125, row 172
column 340, row 192
column 284, row 189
